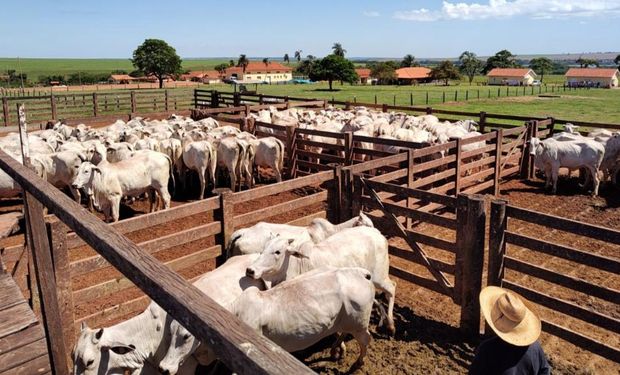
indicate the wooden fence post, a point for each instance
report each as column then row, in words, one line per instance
column 95, row 105
column 225, row 215
column 53, row 107
column 525, row 156
column 334, row 195
column 57, row 234
column 236, row 99
column 215, row 99
column 499, row 142
column 133, row 102
column 551, row 127
column 384, row 107
column 410, row 163
column 356, row 202
column 291, row 146
column 348, row 148
column 166, row 100
column 483, row 121
column 497, row 244
column 429, row 110
column 532, row 168
column 196, row 98
column 5, row 110
column 471, row 219
column 347, row 194
column 457, row 168
column 260, row 99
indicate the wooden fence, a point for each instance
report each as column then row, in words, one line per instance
column 88, row 105
column 515, row 263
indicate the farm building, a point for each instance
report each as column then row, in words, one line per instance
column 364, row 74
column 411, row 75
column 593, row 77
column 259, row 71
column 204, row 76
column 121, row 78
column 511, row 76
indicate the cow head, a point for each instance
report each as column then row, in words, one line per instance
column 534, row 143
column 182, row 345
column 363, row 221
column 96, row 353
column 272, row 263
column 85, row 174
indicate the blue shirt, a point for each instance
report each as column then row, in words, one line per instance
column 495, row 356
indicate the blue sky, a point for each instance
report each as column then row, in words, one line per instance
column 371, row 28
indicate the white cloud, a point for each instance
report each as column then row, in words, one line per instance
column 371, row 13
column 536, row 9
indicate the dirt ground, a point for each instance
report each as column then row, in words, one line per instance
column 427, row 339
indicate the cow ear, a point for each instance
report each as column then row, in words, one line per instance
column 99, row 333
column 121, row 349
column 290, row 240
column 96, row 169
column 83, row 326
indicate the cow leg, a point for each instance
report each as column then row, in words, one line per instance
column 278, row 173
column 363, row 339
column 339, row 349
column 389, row 288
column 164, row 195
column 202, row 176
column 595, row 180
column 554, row 179
column 76, row 194
column 233, row 179
column 115, row 207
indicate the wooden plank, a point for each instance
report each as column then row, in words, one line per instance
column 153, row 246
column 573, row 226
column 446, row 147
column 321, row 156
column 479, row 187
column 203, row 317
column 414, row 193
column 421, row 167
column 566, row 252
column 39, row 365
column 306, row 220
column 119, row 284
column 155, row 218
column 325, row 146
column 390, row 176
column 584, row 342
column 565, row 307
column 477, row 176
column 313, row 166
column 490, row 160
column 321, row 133
column 478, row 151
column 21, row 338
column 433, row 241
column 10, row 295
column 433, row 178
column 419, row 280
column 280, row 187
column 412, row 257
column 280, row 208
column 15, row 319
column 377, row 163
column 567, row 281
column 412, row 213
column 23, row 354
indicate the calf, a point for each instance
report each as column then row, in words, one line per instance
column 60, row 169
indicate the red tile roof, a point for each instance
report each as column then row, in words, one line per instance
column 363, row 72
column 509, row 72
column 122, row 77
column 591, row 72
column 413, row 73
column 260, row 67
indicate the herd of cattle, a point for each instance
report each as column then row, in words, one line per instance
column 128, row 159
column 286, row 282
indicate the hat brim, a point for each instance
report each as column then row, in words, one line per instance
column 523, row 334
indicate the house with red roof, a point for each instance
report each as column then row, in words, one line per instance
column 364, row 74
column 511, row 76
column 270, row 72
column 593, row 77
column 414, row 74
column 204, row 76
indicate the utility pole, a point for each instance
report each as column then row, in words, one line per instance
column 21, row 74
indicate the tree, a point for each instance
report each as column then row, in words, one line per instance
column 408, row 60
column 469, row 64
column 333, row 68
column 305, row 67
column 338, row 50
column 502, row 59
column 231, row 63
column 542, row 66
column 221, row 68
column 156, row 57
column 584, row 63
column 384, row 72
column 311, row 57
column 617, row 61
column 243, row 62
column 266, row 61
column 298, row 55
column 286, row 58
column 445, row 71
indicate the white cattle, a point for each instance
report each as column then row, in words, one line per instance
column 147, row 144
column 201, row 157
column 283, row 259
column 229, row 156
column 60, row 169
column 146, row 171
column 270, row 153
column 335, row 300
column 174, row 149
column 550, row 155
column 136, row 346
column 224, row 284
column 8, row 187
column 117, row 152
column 253, row 239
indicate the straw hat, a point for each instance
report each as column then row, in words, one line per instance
column 510, row 316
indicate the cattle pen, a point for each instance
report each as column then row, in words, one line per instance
column 445, row 237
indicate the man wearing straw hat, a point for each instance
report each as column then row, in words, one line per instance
column 515, row 349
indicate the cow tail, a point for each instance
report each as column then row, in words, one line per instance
column 231, row 244
column 280, row 155
column 171, row 172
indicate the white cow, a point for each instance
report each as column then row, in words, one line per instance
column 60, row 169
column 146, row 171
column 224, row 284
column 253, row 239
column 270, row 153
column 335, row 300
column 201, row 157
column 118, row 151
column 229, row 156
column 550, row 155
column 283, row 259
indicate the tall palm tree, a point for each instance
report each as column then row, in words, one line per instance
column 408, row 60
column 266, row 61
column 231, row 63
column 298, row 55
column 338, row 50
column 243, row 62
column 286, row 58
